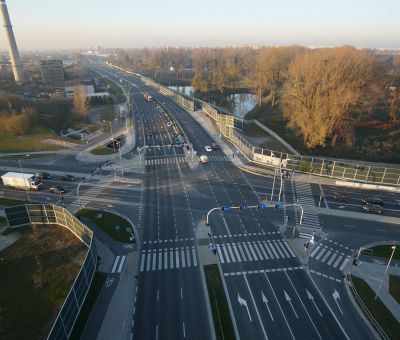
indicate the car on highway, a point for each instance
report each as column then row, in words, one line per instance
column 58, row 189
column 372, row 200
column 69, row 178
column 203, row 159
column 338, row 197
column 215, row 146
column 208, row 148
column 373, row 208
column 43, row 175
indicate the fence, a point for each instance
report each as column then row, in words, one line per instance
column 53, row 214
column 229, row 127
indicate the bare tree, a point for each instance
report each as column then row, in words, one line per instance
column 323, row 88
column 80, row 101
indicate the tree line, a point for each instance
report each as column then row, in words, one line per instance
column 322, row 92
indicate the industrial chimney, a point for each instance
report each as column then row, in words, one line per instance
column 12, row 45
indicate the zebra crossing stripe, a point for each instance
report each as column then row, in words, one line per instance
column 226, row 254
column 257, row 251
column 315, row 250
column 344, row 263
column 115, row 264
column 221, row 258
column 337, row 261
column 332, row 258
column 273, row 250
column 283, row 249
column 321, row 253
column 278, row 249
column 263, row 251
column 177, row 257
column 142, row 262
column 268, row 250
column 171, row 257
column 154, row 260
column 288, row 248
column 165, row 258
column 183, row 260
column 194, row 257
column 230, row 252
column 160, row 259
column 189, row 263
column 252, row 251
column 247, row 252
column 121, row 263
column 242, row 252
column 326, row 256
column 148, row 260
column 236, row 251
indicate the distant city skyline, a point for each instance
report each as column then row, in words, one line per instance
column 45, row 24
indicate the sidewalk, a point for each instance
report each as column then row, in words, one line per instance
column 372, row 274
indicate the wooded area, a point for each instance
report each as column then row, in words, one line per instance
column 323, row 93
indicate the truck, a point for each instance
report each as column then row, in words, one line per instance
column 147, row 97
column 22, row 181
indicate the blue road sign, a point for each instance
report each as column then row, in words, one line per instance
column 262, row 206
column 245, row 205
column 226, row 208
column 280, row 205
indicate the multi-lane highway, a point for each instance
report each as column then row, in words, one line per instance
column 272, row 290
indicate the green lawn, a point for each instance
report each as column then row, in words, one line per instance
column 103, row 150
column 394, row 287
column 107, row 112
column 384, row 251
column 97, row 284
column 22, row 157
column 219, row 306
column 108, row 222
column 37, row 272
column 378, row 310
column 253, row 130
column 2, row 220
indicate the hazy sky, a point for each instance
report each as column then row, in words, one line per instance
column 43, row 24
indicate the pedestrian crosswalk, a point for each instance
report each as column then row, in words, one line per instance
column 254, row 251
column 330, row 256
column 168, row 258
column 87, row 196
column 304, row 196
column 166, row 160
column 221, row 158
column 118, row 264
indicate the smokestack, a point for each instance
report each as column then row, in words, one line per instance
column 12, row 45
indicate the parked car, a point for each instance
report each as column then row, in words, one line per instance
column 208, row 148
column 373, row 208
column 372, row 200
column 338, row 197
column 215, row 146
column 169, row 124
column 58, row 189
column 68, row 178
column 43, row 175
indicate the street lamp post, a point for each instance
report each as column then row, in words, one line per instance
column 384, row 274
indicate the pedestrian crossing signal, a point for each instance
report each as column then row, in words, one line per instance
column 260, row 206
column 240, row 207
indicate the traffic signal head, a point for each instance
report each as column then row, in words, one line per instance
column 222, row 208
column 276, row 207
column 240, row 208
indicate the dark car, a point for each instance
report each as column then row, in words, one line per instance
column 215, row 146
column 69, row 178
column 43, row 175
column 58, row 189
column 373, row 208
column 372, row 200
column 338, row 197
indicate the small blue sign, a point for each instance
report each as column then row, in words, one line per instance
column 262, row 206
column 117, row 227
column 280, row 205
column 226, row 208
column 245, row 205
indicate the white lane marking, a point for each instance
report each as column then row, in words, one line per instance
column 255, row 306
column 278, row 249
column 283, row 249
column 228, row 246
column 226, row 253
column 221, row 258
column 142, row 262
column 321, row 253
column 337, row 261
column 315, row 250
column 115, row 264
column 344, row 263
column 177, row 257
column 273, row 250
column 329, row 252
column 332, row 258
column 154, row 260
column 288, row 248
column 247, row 252
column 158, row 295
column 194, row 257
column 121, row 263
column 171, row 258
column 165, row 258
column 148, row 260
column 183, row 258
column 160, row 258
column 242, row 252
column 265, row 300
column 184, row 331
column 252, row 251
column 268, row 250
column 263, row 251
column 258, row 251
column 188, row 257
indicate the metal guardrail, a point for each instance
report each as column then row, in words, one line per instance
column 229, row 124
column 52, row 214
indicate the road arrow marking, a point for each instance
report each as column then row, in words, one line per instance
column 243, row 302
column 336, row 297
column 312, row 300
column 288, row 299
column 264, row 300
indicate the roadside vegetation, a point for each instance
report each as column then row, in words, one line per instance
column 394, row 287
column 37, row 272
column 326, row 101
column 377, row 309
column 8, row 202
column 103, row 150
column 384, row 251
column 219, row 305
column 113, row 225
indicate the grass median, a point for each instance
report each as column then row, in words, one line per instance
column 103, row 150
column 394, row 287
column 384, row 251
column 8, row 202
column 115, row 226
column 377, row 308
column 219, row 305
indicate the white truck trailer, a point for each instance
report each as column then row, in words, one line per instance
column 22, row 181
